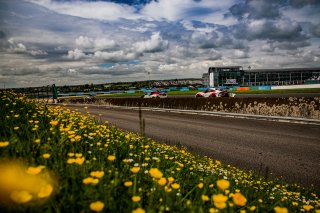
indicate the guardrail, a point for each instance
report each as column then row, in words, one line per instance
column 209, row 113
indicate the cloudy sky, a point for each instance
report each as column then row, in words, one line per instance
column 70, row 42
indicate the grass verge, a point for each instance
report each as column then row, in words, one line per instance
column 57, row 160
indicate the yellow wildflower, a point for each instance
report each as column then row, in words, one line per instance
column 35, row 170
column 139, row 210
column 97, row 206
column 79, row 160
column 154, row 172
column 175, row 186
column 135, row 169
column 307, row 207
column 37, row 140
column 4, row 143
column 46, row 155
column 239, row 199
column 128, row 183
column 170, row 179
column 136, row 198
column 204, row 197
column 223, row 184
column 279, row 209
column 97, row 174
column 162, row 181
column 219, row 201
column 54, row 123
column 111, row 158
column 16, row 128
column 20, row 196
column 200, row 185
column 45, row 191
column 252, row 208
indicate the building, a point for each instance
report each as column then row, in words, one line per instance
column 236, row 75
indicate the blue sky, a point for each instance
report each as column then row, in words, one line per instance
column 76, row 41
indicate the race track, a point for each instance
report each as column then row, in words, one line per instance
column 291, row 151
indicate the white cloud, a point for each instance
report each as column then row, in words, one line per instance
column 76, row 54
column 90, row 44
column 94, row 10
column 154, row 44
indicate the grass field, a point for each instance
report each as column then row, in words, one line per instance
column 57, row 160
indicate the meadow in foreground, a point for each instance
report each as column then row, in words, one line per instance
column 56, row 160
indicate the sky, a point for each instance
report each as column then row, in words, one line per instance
column 71, row 42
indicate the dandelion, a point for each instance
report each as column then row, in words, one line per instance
column 16, row 128
column 155, row 173
column 37, row 140
column 253, row 208
column 97, row 206
column 97, row 174
column 46, row 155
column 21, row 196
column 4, row 144
column 223, row 184
column 175, row 186
column 127, row 183
column 35, row 170
column 219, row 201
column 45, row 191
column 111, row 158
column 239, row 199
column 54, row 123
column 279, row 209
column 204, row 198
column 139, row 210
column 135, row 169
column 136, row 198
column 162, row 181
column 307, row 207
column 200, row 185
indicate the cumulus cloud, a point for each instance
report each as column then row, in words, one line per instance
column 90, row 44
column 76, row 54
column 155, row 44
column 100, row 10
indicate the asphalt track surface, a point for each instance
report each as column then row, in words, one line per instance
column 286, row 150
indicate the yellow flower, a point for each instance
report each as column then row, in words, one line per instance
column 111, row 158
column 219, row 201
column 200, row 185
column 223, row 184
column 46, row 155
column 307, row 207
column 135, row 169
column 128, row 183
column 162, row 181
column 154, row 172
column 54, row 123
column 175, row 186
column 97, row 206
column 170, row 179
column 97, row 174
column 20, row 196
column 45, row 191
column 16, row 128
column 4, row 143
column 239, row 199
column 252, row 208
column 136, row 198
column 139, row 210
column 79, row 160
column 204, row 197
column 37, row 140
column 279, row 209
column 35, row 170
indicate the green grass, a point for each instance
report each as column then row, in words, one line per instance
column 135, row 174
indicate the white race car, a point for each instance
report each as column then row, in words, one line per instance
column 155, row 95
column 212, row 92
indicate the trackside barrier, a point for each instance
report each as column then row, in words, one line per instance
column 208, row 113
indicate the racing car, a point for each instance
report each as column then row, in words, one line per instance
column 212, row 92
column 155, row 94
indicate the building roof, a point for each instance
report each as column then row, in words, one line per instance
column 285, row 69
